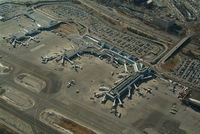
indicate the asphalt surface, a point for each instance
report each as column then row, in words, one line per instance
column 75, row 110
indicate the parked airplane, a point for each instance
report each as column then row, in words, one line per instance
column 104, row 89
column 122, row 75
column 135, row 86
column 14, row 43
column 129, row 93
column 120, row 102
column 100, row 94
column 75, row 67
column 118, row 81
column 70, row 83
column 104, row 99
column 32, row 38
column 45, row 59
column 135, row 67
column 125, row 68
column 148, row 90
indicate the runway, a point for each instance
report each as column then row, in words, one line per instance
column 75, row 110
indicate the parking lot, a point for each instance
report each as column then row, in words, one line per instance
column 189, row 71
column 77, row 55
column 131, row 43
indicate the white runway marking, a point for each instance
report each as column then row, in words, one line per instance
column 38, row 47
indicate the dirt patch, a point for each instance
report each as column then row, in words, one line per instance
column 196, row 38
column 191, row 54
column 67, row 29
column 74, row 127
column 4, row 68
column 170, row 64
column 63, row 124
column 195, row 28
column 171, row 127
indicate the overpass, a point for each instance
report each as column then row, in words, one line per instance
column 172, row 51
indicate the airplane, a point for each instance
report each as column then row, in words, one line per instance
column 141, row 94
column 122, row 75
column 28, row 40
column 135, row 67
column 70, row 83
column 101, row 58
column 77, row 91
column 13, row 43
column 61, row 57
column 114, row 103
column 115, row 61
column 148, row 90
column 173, row 111
column 24, row 43
column 174, row 90
column 141, row 65
column 98, row 95
column 104, row 99
column 120, row 102
column 32, row 38
column 78, row 55
column 112, row 73
column 129, row 93
column 75, row 67
column 148, row 77
column 58, row 58
column 45, row 59
column 135, row 86
column 71, row 62
column 104, row 89
column 113, row 110
column 125, row 68
column 118, row 81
